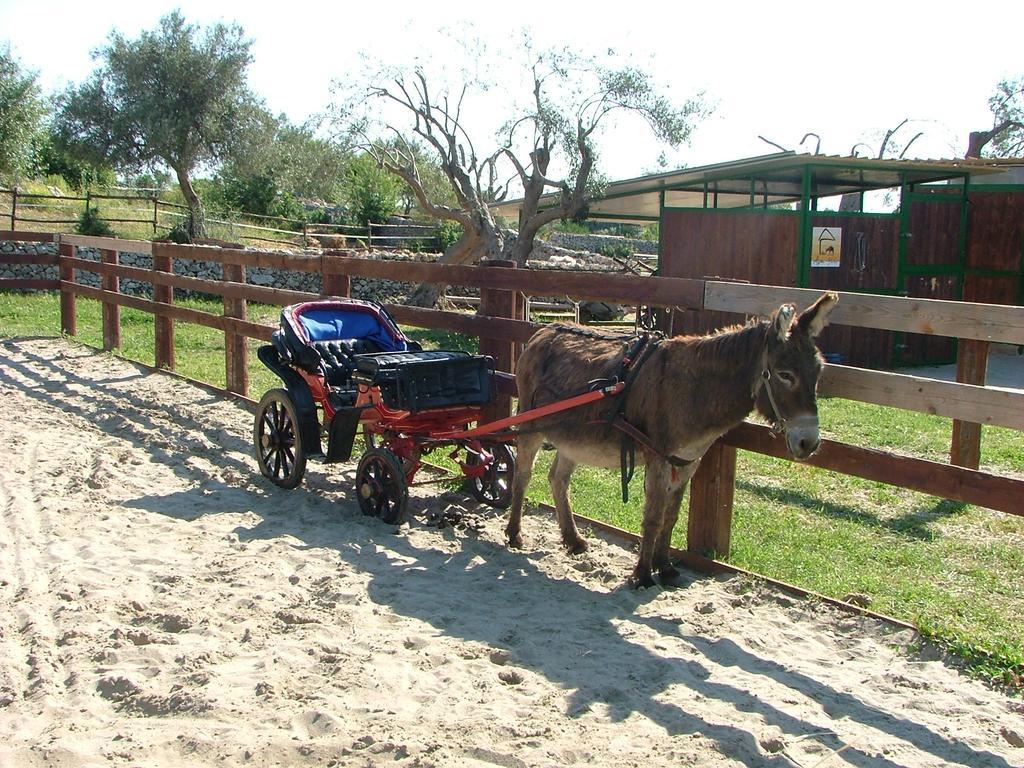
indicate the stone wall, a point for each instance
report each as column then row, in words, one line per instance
column 546, row 256
column 597, row 243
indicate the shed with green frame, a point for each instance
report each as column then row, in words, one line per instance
column 758, row 220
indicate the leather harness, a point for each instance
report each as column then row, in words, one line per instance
column 635, row 357
column 632, row 361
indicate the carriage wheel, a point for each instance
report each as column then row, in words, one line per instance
column 279, row 451
column 494, row 487
column 381, row 487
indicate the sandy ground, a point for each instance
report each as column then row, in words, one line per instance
column 161, row 604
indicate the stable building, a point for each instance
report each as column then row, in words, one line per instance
column 955, row 230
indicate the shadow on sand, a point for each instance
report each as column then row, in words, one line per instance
column 489, row 592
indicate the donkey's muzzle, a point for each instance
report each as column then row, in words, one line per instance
column 803, row 437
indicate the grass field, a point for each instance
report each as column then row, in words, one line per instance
column 955, row 570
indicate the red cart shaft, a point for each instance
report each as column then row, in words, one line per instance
column 544, row 410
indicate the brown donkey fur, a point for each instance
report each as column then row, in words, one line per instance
column 688, row 392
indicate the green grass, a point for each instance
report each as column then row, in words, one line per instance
column 955, row 570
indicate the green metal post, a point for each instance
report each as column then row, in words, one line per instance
column 803, row 259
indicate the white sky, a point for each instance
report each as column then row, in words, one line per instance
column 846, row 71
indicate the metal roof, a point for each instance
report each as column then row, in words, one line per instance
column 764, row 180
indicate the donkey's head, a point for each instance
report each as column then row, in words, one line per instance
column 785, row 391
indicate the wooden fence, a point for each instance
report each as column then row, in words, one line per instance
column 151, row 212
column 501, row 328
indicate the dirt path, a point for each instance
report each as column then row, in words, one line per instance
column 161, row 604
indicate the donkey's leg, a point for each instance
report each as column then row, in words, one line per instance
column 656, row 482
column 662, row 563
column 559, row 475
column 527, row 446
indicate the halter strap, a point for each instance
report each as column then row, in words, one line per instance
column 764, row 380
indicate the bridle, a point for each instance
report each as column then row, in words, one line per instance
column 764, row 381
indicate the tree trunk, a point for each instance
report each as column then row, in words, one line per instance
column 473, row 246
column 195, row 225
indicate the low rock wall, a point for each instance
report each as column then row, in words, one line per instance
column 599, row 243
column 546, row 256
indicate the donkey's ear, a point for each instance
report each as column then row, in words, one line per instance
column 783, row 320
column 815, row 317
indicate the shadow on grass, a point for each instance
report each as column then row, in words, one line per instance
column 915, row 524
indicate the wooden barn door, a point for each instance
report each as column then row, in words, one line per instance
column 931, row 264
column 867, row 262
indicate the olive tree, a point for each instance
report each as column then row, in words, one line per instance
column 1006, row 135
column 546, row 145
column 175, row 96
column 21, row 112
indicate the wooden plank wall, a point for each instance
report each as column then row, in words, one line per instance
column 995, row 241
column 933, row 228
column 869, row 249
column 746, row 246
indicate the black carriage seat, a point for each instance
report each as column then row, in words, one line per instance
column 418, row 380
column 336, row 357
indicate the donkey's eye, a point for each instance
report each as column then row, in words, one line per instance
column 786, row 378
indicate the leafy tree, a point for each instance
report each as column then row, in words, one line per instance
column 1006, row 136
column 308, row 167
column 371, row 193
column 50, row 159
column 290, row 157
column 21, row 110
column 571, row 98
column 257, row 193
column 176, row 95
column 152, row 179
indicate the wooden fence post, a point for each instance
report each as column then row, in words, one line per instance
column 14, row 208
column 163, row 326
column 496, row 302
column 68, row 318
column 334, row 283
column 236, row 348
column 709, row 529
column 971, row 368
column 111, row 311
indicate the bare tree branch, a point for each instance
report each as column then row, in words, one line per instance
column 768, row 141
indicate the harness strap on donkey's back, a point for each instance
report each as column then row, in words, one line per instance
column 635, row 357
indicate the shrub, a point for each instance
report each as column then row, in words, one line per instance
column 90, row 223
column 617, row 250
column 371, row 192
column 178, row 234
column 447, row 233
column 255, row 193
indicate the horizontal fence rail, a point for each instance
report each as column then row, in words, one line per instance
column 501, row 325
column 158, row 214
column 985, row 322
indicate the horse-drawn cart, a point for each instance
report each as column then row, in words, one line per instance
column 347, row 367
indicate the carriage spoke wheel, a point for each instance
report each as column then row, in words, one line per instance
column 279, row 451
column 381, row 487
column 494, row 487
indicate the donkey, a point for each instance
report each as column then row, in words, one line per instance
column 681, row 395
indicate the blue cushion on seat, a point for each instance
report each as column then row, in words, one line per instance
column 334, row 324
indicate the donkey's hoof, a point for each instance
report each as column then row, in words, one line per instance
column 668, row 575
column 516, row 541
column 577, row 546
column 641, row 579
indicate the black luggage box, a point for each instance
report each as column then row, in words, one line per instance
column 416, row 381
